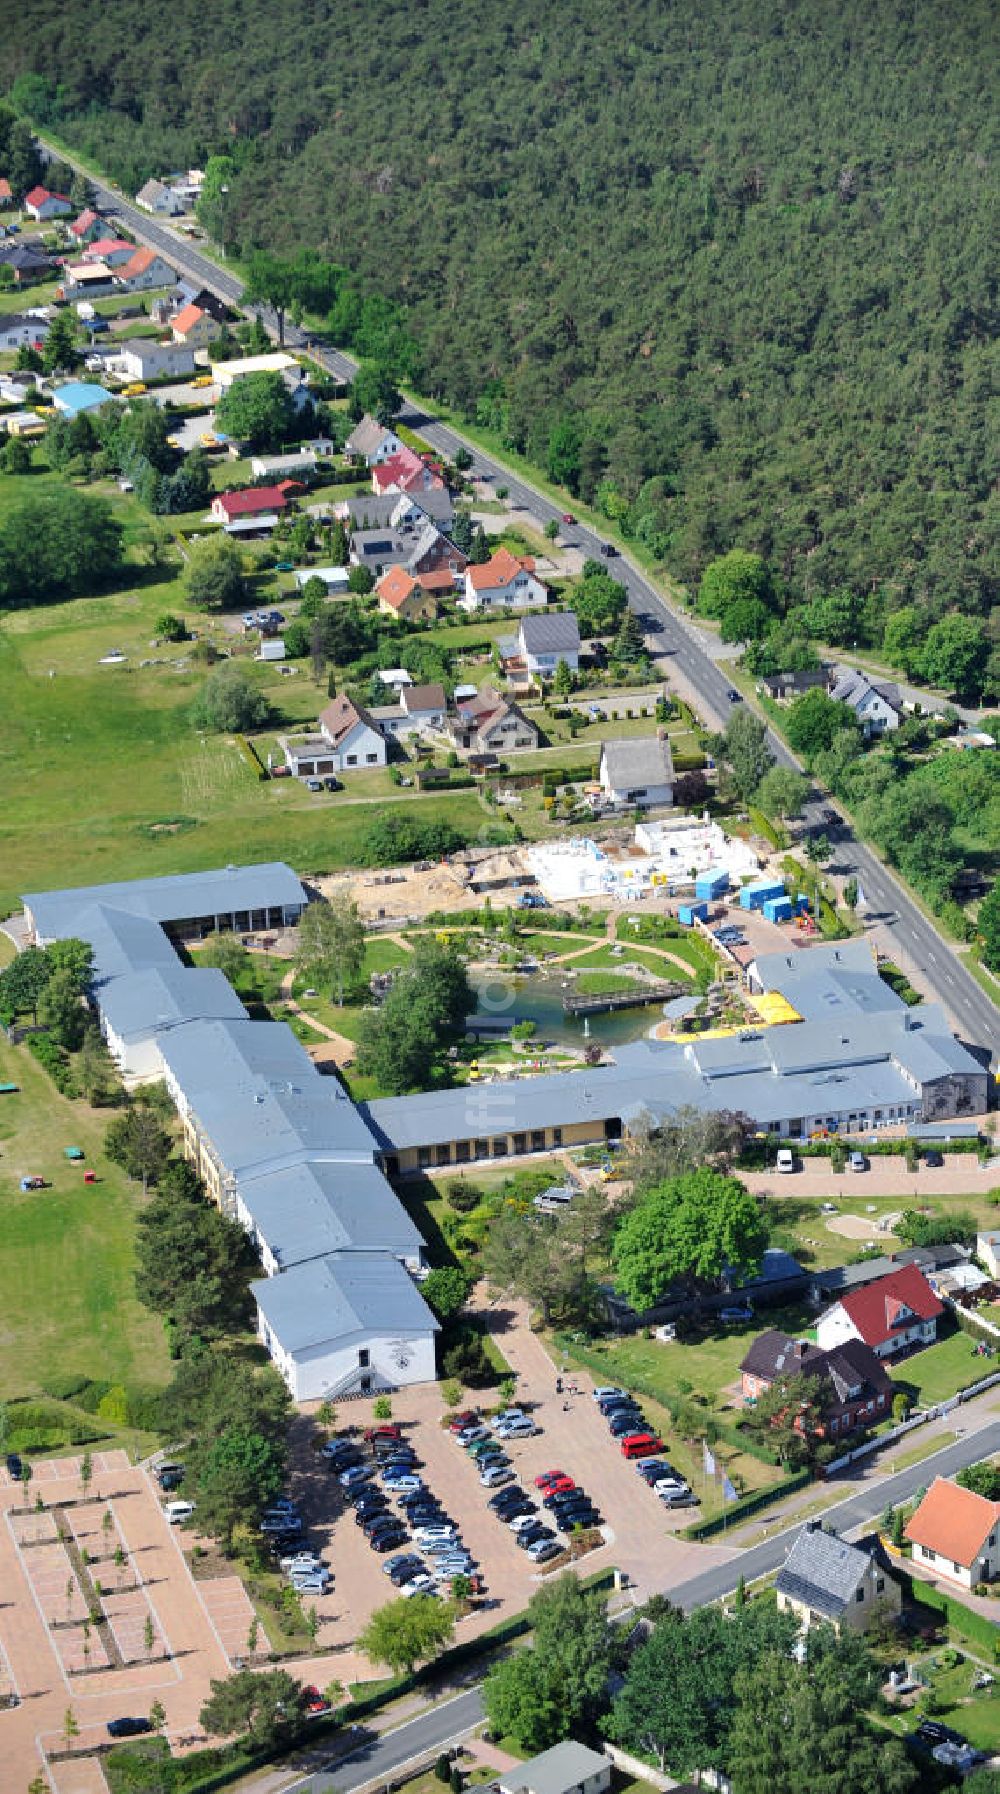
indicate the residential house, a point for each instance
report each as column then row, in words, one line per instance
column 143, row 359
column 378, row 550
column 566, row 1768
column 114, row 251
column 506, row 581
column 783, row 687
column 225, row 372
column 892, row 1315
column 540, row 644
column 85, row 228
column 878, row 707
column 988, row 1250
column 296, row 464
column 159, row 199
column 413, row 509
column 957, row 1533
column 18, row 331
column 825, row 1581
column 348, row 738
column 144, row 271
column 25, row 262
column 20, row 386
column 400, row 595
column 43, row 205
column 194, row 327
column 349, row 1323
column 637, row 771
column 87, row 280
column 372, row 442
column 407, row 472
column 492, row 725
column 421, row 710
column 857, row 1391
column 337, row 580
column 22, row 423
column 230, row 507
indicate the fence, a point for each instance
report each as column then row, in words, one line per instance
column 881, row 1440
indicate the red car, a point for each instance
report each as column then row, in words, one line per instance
column 551, row 1477
column 459, row 1422
column 382, row 1432
column 313, row 1703
column 568, row 517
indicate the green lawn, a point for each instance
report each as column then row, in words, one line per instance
column 974, row 1713
column 941, row 1370
column 66, row 1290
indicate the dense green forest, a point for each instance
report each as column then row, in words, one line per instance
column 726, row 267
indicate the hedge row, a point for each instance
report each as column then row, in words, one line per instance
column 125, row 1404
column 964, row 1620
column 749, row 1504
column 55, row 1060
column 252, row 758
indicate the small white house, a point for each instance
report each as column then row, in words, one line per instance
column 988, row 1251
column 637, row 772
column 337, row 580
column 542, row 642
column 506, row 582
column 347, row 740
column 297, row 464
column 144, row 359
column 567, row 1768
column 878, row 708
column 161, row 200
column 956, row 1534
column 372, row 442
column 18, row 331
column 349, row 1323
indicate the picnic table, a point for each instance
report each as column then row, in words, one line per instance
column 9, row 1089
column 73, row 1152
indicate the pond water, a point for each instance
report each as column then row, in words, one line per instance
column 535, row 999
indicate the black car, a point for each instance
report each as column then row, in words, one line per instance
column 128, row 1727
column 577, row 1516
column 932, row 1732
column 610, row 1403
column 933, row 1160
column 608, row 550
column 373, row 1524
column 572, row 1498
column 734, row 696
column 516, row 1510
column 620, row 1426
column 404, row 1573
column 532, row 1535
column 333, row 784
column 505, row 1497
column 15, row 1468
column 389, row 1541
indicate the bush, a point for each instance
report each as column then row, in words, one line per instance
column 114, row 1405
column 55, row 1060
column 64, row 1388
column 252, row 758
column 463, row 1197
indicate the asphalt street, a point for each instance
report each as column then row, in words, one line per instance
column 435, row 1729
column 672, row 638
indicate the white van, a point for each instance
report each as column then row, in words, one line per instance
column 785, row 1160
column 176, row 1511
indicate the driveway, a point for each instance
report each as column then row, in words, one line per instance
column 960, row 1175
column 159, row 1642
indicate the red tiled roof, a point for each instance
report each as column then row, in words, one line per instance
column 84, row 222
column 255, row 498
column 876, row 1309
column 953, row 1521
column 499, row 571
column 186, row 319
column 340, row 717
column 142, row 259
column 38, row 196
column 395, row 587
column 102, row 246
column 440, row 579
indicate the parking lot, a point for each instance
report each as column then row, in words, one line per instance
column 639, row 1534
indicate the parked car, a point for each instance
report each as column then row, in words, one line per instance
column 284, row 1524
column 621, row 1425
column 607, row 1391
column 472, row 1435
column 357, row 1474
column 736, row 1315
column 387, row 1429
column 641, row 1445
column 389, row 1541
column 404, row 1573
column 128, row 1727
column 507, row 1414
column 420, row 1584
column 314, row 1704
column 302, row 1560
column 785, row 1160
column 458, row 1422
column 433, row 1535
column 523, row 1517
column 933, row 1160
column 169, row 1476
column 608, row 550
column 856, row 1161
column 506, row 1498
column 516, row 1429
column 541, row 1550
column 402, row 1482
column 15, row 1467
column 311, row 1582
column 653, row 1468
column 568, row 517
column 676, row 1497
column 495, row 1475
column 533, row 1535
column 176, row 1511
column 314, row 784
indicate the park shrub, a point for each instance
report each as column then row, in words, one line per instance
column 64, row 1388
column 975, row 1627
column 114, row 1405
column 91, row 1395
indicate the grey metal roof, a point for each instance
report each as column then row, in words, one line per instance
column 632, row 764
column 435, row 504
column 822, row 1571
column 556, row 1771
column 346, row 1293
column 178, row 898
column 366, row 436
column 374, row 510
column 318, row 1208
column 555, row 634
column 142, row 1003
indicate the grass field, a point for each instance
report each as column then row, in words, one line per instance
column 942, row 1369
column 66, row 1294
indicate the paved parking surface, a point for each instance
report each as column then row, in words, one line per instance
column 55, row 1665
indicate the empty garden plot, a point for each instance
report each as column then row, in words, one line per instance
column 80, row 1648
column 34, row 1528
column 230, row 1613
column 134, row 1625
column 54, row 1584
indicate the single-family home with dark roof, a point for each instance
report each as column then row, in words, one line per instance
column 17, row 331
column 956, row 1533
column 421, row 710
column 783, row 687
column 877, row 706
column 892, row 1315
column 347, row 739
column 25, row 263
column 637, row 772
column 490, row 724
column 856, row 1389
column 540, row 644
column 825, row 1581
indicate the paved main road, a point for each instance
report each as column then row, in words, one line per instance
column 672, row 638
column 857, row 1510
column 433, row 1730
